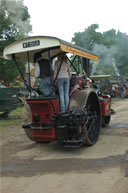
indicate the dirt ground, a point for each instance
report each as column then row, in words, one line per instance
column 29, row 167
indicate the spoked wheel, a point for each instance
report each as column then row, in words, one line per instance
column 106, row 120
column 91, row 129
column 92, row 125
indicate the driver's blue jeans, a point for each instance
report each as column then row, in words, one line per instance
column 63, row 88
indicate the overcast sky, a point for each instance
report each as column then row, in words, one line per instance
column 62, row 18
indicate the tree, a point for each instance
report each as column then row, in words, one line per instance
column 110, row 46
column 14, row 25
column 122, row 55
column 109, row 38
column 87, row 38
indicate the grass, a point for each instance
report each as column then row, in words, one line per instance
column 17, row 111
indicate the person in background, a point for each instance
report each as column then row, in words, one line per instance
column 113, row 91
column 63, row 81
column 122, row 91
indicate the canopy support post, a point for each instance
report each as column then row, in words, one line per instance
column 29, row 72
column 14, row 59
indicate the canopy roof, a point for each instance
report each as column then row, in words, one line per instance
column 47, row 46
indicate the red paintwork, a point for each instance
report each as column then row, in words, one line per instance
column 45, row 109
column 44, row 135
column 106, row 105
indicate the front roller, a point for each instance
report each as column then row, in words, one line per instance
column 82, row 124
column 88, row 102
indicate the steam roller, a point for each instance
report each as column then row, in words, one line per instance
column 88, row 108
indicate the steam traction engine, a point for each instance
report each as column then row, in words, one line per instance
column 88, row 109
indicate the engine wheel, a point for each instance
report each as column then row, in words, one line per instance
column 87, row 101
column 28, row 132
column 91, row 128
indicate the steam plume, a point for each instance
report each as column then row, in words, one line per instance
column 107, row 59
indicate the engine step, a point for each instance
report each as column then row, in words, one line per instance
column 72, row 143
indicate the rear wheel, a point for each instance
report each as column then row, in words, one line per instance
column 28, row 133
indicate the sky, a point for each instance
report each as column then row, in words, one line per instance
column 62, row 18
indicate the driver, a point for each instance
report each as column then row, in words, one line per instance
column 63, row 81
column 43, row 70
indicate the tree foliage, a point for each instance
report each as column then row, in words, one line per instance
column 111, row 47
column 14, row 25
column 87, row 38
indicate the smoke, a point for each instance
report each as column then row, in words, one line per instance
column 16, row 13
column 107, row 60
column 115, row 67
